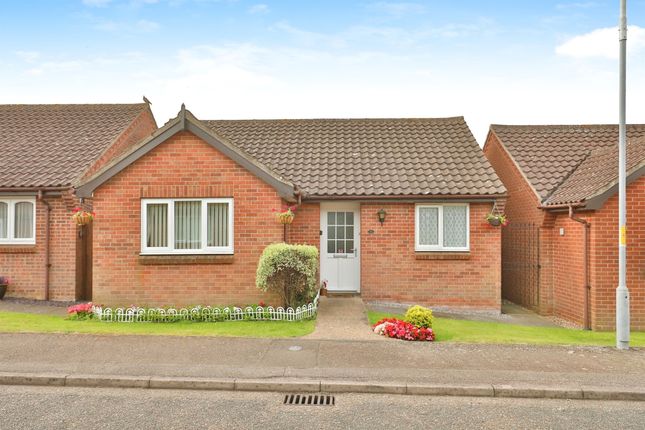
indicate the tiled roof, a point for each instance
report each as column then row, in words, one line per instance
column 368, row 157
column 549, row 154
column 597, row 173
column 51, row 145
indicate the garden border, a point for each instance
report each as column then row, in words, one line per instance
column 207, row 313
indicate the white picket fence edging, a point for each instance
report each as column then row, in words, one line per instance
column 207, row 313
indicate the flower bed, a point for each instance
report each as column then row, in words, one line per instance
column 206, row 313
column 397, row 329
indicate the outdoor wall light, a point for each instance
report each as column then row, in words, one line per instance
column 381, row 215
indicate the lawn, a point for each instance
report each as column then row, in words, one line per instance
column 451, row 330
column 14, row 322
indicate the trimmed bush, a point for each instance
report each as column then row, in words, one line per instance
column 419, row 316
column 291, row 271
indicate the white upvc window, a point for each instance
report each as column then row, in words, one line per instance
column 187, row 226
column 442, row 227
column 17, row 220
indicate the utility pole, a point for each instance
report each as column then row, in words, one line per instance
column 622, row 293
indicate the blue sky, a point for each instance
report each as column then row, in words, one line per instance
column 491, row 61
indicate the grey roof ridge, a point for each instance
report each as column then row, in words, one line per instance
column 426, row 119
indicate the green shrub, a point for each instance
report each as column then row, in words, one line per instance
column 419, row 316
column 291, row 271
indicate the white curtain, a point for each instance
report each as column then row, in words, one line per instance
column 428, row 226
column 157, row 225
column 4, row 219
column 217, row 224
column 455, row 226
column 24, row 220
column 188, row 217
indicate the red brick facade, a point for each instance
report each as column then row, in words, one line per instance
column 561, row 288
column 25, row 264
column 183, row 166
column 391, row 270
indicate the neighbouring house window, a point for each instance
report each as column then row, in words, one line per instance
column 17, row 220
column 187, row 226
column 442, row 227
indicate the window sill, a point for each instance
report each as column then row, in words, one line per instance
column 17, row 249
column 442, row 255
column 159, row 260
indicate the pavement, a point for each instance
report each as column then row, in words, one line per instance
column 394, row 367
column 342, row 355
column 110, row 408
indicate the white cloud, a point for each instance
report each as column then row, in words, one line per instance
column 258, row 9
column 28, row 56
column 602, row 43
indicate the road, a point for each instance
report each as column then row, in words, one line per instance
column 24, row 407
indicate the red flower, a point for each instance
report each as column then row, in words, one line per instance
column 398, row 329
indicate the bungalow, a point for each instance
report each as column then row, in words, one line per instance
column 560, row 251
column 44, row 149
column 397, row 208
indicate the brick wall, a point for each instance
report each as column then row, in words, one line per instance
column 202, row 171
column 604, row 259
column 568, row 268
column 305, row 228
column 392, row 271
column 25, row 264
column 522, row 208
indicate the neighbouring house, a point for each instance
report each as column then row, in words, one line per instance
column 44, row 149
column 397, row 208
column 560, row 251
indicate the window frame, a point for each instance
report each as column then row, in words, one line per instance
column 11, row 220
column 170, row 249
column 440, row 247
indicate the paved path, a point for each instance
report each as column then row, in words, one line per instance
column 79, row 408
column 389, row 360
column 343, row 318
column 34, row 306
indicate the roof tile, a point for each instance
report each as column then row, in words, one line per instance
column 51, row 145
column 368, row 157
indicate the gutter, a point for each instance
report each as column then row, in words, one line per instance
column 586, row 286
column 32, row 189
column 47, row 241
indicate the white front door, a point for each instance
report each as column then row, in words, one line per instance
column 340, row 256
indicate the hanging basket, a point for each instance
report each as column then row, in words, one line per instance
column 83, row 218
column 495, row 222
column 285, row 217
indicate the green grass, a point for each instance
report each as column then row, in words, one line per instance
column 451, row 330
column 14, row 322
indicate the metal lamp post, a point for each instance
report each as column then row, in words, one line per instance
column 622, row 293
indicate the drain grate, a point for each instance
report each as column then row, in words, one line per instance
column 309, row 399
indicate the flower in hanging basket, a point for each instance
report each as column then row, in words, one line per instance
column 82, row 217
column 497, row 219
column 286, row 215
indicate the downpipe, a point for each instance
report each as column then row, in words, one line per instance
column 48, row 210
column 587, row 287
